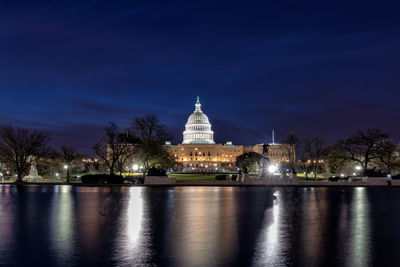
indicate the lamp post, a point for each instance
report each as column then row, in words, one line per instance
column 135, row 167
column 358, row 169
column 272, row 169
column 66, row 167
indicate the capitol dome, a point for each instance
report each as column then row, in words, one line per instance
column 198, row 128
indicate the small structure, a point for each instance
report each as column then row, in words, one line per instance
column 33, row 173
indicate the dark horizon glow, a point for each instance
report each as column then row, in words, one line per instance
column 317, row 68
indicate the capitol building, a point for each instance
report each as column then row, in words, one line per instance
column 199, row 152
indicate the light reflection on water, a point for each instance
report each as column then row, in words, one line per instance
column 62, row 224
column 195, row 226
column 359, row 230
column 133, row 238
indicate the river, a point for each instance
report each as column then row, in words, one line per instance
column 198, row 226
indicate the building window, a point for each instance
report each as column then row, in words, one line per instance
column 204, row 153
column 191, row 153
column 209, row 154
column 195, row 154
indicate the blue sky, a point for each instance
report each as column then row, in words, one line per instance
column 319, row 68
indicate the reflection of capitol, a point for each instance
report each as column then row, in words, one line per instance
column 198, row 151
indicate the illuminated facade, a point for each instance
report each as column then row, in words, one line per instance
column 198, row 128
column 199, row 153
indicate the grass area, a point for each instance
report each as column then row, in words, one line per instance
column 310, row 176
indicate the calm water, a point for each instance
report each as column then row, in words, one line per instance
column 199, row 226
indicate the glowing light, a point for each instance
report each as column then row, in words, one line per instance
column 358, row 168
column 65, row 166
column 135, row 167
column 272, row 168
column 342, row 175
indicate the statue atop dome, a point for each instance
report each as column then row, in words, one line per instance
column 198, row 105
column 198, row 128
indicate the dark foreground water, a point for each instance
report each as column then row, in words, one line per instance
column 199, row 226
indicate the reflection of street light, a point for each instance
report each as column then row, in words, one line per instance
column 272, row 168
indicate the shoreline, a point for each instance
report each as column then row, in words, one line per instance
column 222, row 184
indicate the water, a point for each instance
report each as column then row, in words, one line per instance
column 198, row 226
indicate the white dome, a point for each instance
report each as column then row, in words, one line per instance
column 198, row 128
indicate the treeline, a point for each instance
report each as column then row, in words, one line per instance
column 368, row 152
column 142, row 143
column 140, row 148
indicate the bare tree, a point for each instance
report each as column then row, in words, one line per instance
column 69, row 154
column 150, row 152
column 289, row 143
column 388, row 155
column 112, row 146
column 17, row 144
column 362, row 147
column 318, row 154
column 304, row 150
column 149, row 127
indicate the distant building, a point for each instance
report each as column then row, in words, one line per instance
column 199, row 153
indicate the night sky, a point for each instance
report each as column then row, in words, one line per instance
column 319, row 68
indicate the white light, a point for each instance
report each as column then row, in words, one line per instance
column 65, row 166
column 57, row 174
column 387, row 175
column 1, row 174
column 272, row 168
column 135, row 167
column 354, row 173
column 342, row 175
column 358, row 168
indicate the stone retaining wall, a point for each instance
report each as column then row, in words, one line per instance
column 159, row 180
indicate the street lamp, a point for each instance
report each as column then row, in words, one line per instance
column 272, row 168
column 65, row 167
column 358, row 169
column 135, row 167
